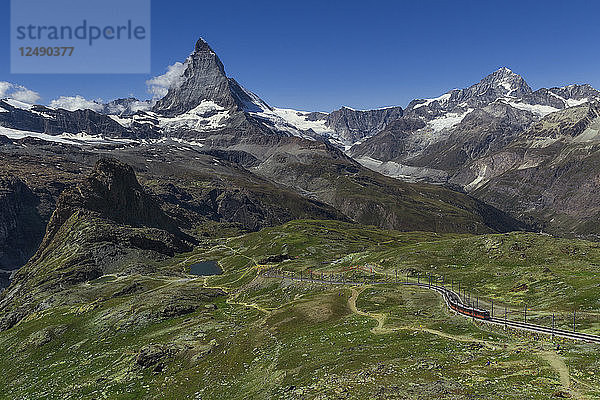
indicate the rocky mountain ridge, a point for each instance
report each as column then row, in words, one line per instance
column 432, row 140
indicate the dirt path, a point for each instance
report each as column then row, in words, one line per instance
column 558, row 364
column 231, row 301
column 458, row 338
column 380, row 318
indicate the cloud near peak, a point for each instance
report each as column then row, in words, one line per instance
column 18, row 92
column 72, row 103
column 159, row 85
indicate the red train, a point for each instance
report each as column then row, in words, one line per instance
column 470, row 311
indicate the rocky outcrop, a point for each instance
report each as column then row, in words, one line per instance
column 463, row 125
column 57, row 121
column 21, row 226
column 111, row 192
column 105, row 224
column 354, row 125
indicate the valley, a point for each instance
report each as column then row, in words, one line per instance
column 172, row 335
column 136, row 238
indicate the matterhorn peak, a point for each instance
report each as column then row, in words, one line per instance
column 203, row 47
column 203, row 79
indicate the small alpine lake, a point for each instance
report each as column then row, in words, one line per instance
column 206, row 268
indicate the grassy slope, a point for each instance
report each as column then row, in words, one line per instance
column 544, row 272
column 370, row 198
column 272, row 339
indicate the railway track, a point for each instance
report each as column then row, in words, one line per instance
column 454, row 302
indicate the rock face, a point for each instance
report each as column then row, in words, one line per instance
column 548, row 175
column 203, row 79
column 113, row 191
column 21, row 226
column 352, row 125
column 464, row 124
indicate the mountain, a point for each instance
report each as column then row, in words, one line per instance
column 529, row 153
column 104, row 214
column 447, row 140
column 548, row 175
column 270, row 165
column 106, row 223
column 202, row 104
column 203, row 80
column 438, row 136
column 16, row 117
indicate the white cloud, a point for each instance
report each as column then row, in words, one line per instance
column 18, row 92
column 133, row 107
column 25, row 95
column 4, row 87
column 141, row 106
column 159, row 85
column 72, row 103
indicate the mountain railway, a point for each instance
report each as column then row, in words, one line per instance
column 453, row 301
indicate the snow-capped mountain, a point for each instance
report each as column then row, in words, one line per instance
column 206, row 95
column 437, row 136
column 464, row 138
column 427, row 140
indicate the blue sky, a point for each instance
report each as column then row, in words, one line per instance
column 320, row 55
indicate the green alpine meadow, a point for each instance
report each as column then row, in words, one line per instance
column 303, row 200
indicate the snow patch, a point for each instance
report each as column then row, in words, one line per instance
column 299, row 119
column 404, row 172
column 507, row 85
column 207, row 116
column 442, row 99
column 296, row 123
column 536, row 109
column 197, row 143
column 478, row 181
column 124, row 122
column 569, row 102
column 574, row 103
column 447, row 121
column 18, row 104
column 65, row 138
